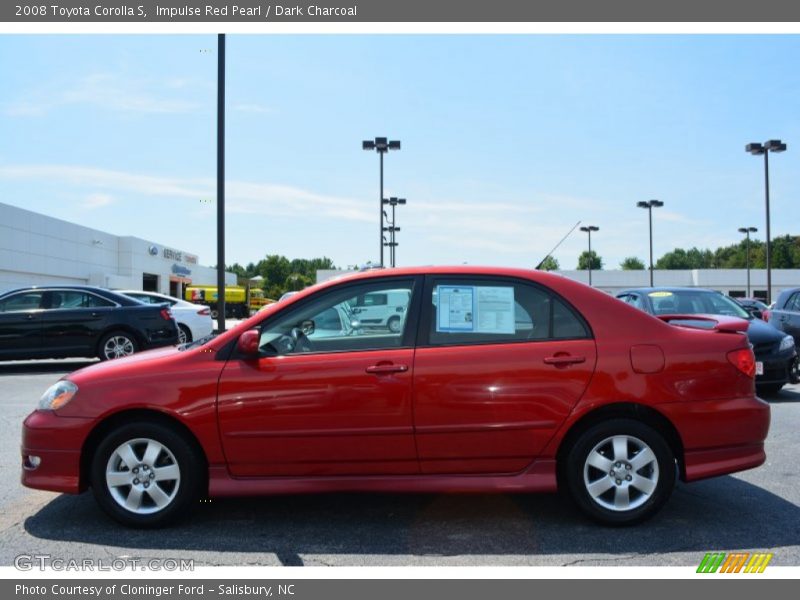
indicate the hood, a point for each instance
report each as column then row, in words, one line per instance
column 118, row 365
column 760, row 332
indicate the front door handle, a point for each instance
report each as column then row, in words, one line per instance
column 384, row 368
column 564, row 360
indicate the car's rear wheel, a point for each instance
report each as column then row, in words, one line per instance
column 794, row 371
column 117, row 344
column 184, row 334
column 620, row 472
column 145, row 474
column 394, row 324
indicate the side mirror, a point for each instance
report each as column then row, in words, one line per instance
column 248, row 342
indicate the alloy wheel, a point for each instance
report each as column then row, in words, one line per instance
column 118, row 346
column 621, row 473
column 143, row 476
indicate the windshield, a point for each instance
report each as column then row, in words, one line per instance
column 690, row 302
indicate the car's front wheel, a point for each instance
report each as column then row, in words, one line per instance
column 145, row 474
column 620, row 471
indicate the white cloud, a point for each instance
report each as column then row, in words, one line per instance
column 107, row 91
column 97, row 201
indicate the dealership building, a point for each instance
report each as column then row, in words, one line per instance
column 39, row 250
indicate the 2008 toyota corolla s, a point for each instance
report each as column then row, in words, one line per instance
column 493, row 380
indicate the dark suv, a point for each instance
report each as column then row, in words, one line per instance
column 774, row 350
column 71, row 321
column 785, row 315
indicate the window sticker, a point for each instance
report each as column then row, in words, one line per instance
column 477, row 309
column 455, row 308
column 495, row 310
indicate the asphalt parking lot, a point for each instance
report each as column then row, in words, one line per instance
column 756, row 510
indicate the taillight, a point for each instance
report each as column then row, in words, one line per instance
column 166, row 314
column 204, row 311
column 744, row 360
column 765, row 315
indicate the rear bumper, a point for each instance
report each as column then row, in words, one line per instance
column 157, row 338
column 701, row 464
column 720, row 436
column 56, row 442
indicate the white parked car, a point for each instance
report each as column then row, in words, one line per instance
column 194, row 320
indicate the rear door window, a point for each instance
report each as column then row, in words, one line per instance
column 480, row 311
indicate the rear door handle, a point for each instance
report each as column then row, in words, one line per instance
column 562, row 361
column 382, row 369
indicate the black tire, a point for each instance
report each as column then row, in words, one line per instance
column 794, row 371
column 116, row 338
column 187, row 334
column 658, row 473
column 182, row 494
column 769, row 389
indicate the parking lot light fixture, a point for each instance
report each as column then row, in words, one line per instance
column 392, row 228
column 757, row 149
column 381, row 145
column 650, row 205
column 747, row 231
column 589, row 229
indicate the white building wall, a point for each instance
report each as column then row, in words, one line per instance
column 39, row 250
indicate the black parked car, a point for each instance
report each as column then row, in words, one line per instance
column 68, row 321
column 774, row 350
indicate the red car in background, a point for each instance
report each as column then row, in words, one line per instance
column 499, row 380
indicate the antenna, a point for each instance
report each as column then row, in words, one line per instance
column 541, row 262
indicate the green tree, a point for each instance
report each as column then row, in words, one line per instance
column 584, row 258
column 631, row 263
column 549, row 264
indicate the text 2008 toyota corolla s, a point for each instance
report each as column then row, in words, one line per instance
column 498, row 380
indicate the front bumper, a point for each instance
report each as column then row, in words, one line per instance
column 56, row 443
column 720, row 436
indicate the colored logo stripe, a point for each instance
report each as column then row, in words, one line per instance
column 734, row 563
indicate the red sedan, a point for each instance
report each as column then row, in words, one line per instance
column 494, row 380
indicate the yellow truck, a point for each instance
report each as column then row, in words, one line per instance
column 240, row 301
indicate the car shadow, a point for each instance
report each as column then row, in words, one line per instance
column 720, row 514
column 787, row 394
column 42, row 367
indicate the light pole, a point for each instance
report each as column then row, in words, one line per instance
column 392, row 226
column 756, row 149
column 589, row 229
column 747, row 231
column 221, row 182
column 650, row 205
column 381, row 145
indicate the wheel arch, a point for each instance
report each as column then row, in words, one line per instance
column 625, row 410
column 123, row 417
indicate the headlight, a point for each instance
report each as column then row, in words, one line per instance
column 786, row 343
column 57, row 395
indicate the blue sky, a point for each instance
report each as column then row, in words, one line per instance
column 507, row 140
